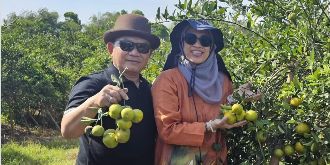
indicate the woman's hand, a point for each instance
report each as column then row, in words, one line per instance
column 222, row 124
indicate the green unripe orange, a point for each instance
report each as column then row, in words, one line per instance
column 109, row 140
column 123, row 124
column 127, row 114
column 237, row 109
column 241, row 116
column 251, row 115
column 278, row 153
column 115, row 110
column 97, row 130
column 302, row 128
column 108, row 131
column 288, row 150
column 122, row 136
column 299, row 147
column 295, row 101
column 138, row 116
column 231, row 118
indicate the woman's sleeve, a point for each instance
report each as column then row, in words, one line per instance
column 168, row 118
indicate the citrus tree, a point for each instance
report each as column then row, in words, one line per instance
column 283, row 49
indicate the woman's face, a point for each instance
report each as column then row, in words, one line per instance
column 197, row 45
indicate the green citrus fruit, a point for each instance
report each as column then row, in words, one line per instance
column 295, row 101
column 299, row 147
column 108, row 131
column 237, row 109
column 261, row 136
column 231, row 118
column 122, row 136
column 241, row 116
column 127, row 114
column 251, row 115
column 138, row 116
column 97, row 130
column 288, row 150
column 278, row 153
column 302, row 128
column 114, row 111
column 123, row 124
column 109, row 140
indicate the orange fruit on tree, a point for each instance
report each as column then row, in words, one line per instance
column 251, row 115
column 299, row 147
column 288, row 150
column 278, row 153
column 295, row 101
column 302, row 128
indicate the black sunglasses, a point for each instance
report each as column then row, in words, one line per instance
column 129, row 46
column 204, row 40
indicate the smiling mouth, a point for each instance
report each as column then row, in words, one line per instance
column 197, row 53
column 134, row 61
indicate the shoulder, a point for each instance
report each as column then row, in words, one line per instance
column 93, row 80
column 169, row 75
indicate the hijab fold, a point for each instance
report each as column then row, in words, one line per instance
column 204, row 78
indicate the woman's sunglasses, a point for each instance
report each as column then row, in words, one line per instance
column 128, row 46
column 204, row 40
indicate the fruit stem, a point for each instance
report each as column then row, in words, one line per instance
column 121, row 80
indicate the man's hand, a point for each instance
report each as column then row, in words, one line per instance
column 109, row 95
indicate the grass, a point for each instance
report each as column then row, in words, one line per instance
column 54, row 151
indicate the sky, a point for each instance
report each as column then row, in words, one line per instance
column 85, row 8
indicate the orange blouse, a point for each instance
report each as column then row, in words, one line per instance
column 180, row 121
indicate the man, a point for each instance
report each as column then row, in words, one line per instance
column 130, row 44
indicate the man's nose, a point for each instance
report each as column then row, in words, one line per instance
column 134, row 52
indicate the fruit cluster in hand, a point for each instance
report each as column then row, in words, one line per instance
column 124, row 116
column 236, row 113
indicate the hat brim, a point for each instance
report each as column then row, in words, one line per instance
column 111, row 36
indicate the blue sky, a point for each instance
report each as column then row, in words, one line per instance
column 85, row 8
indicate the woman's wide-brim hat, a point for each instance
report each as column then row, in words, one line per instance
column 175, row 36
column 132, row 25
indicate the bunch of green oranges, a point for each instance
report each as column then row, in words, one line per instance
column 236, row 113
column 124, row 116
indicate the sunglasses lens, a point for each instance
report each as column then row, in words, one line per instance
column 143, row 48
column 126, row 46
column 205, row 41
column 190, row 38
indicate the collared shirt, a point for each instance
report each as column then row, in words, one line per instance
column 140, row 147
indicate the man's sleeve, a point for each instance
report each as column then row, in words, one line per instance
column 84, row 88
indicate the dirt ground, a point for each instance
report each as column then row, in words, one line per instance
column 20, row 133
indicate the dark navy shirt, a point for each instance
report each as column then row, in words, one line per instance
column 140, row 147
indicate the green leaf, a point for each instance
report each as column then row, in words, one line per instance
column 291, row 121
column 280, row 129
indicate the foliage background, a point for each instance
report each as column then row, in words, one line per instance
column 282, row 47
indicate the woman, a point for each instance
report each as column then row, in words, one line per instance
column 187, row 96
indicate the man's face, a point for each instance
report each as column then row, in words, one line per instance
column 132, row 53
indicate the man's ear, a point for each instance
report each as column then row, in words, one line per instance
column 110, row 47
